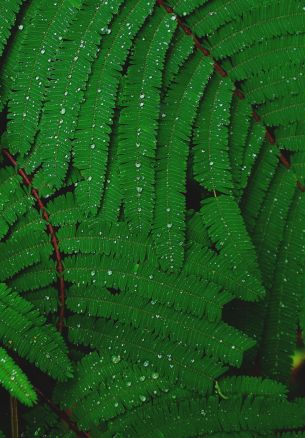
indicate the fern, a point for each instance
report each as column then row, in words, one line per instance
column 152, row 180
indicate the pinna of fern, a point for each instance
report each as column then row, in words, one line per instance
column 113, row 108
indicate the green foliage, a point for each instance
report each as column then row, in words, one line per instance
column 15, row 381
column 159, row 225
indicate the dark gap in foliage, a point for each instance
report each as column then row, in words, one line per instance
column 194, row 194
column 3, row 120
column 113, row 291
column 60, row 192
column 297, row 381
column 5, row 412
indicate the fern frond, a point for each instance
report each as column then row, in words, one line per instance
column 254, row 144
column 40, row 275
column 15, row 381
column 211, row 159
column 185, row 294
column 111, row 202
column 280, row 81
column 101, row 237
column 174, row 361
column 283, row 111
column 213, row 15
column 175, row 129
column 254, row 194
column 138, row 121
column 19, row 253
column 185, row 7
column 225, row 344
column 206, row 416
column 44, row 299
column 227, row 229
column 24, row 330
column 43, row 38
column 262, row 57
column 272, row 20
column 31, row 222
column 205, row 264
column 42, row 420
column 298, row 166
column 292, row 136
column 92, row 137
column 69, row 79
column 8, row 11
column 179, row 51
column 196, row 231
column 15, row 205
column 244, row 385
column 113, row 387
column 268, row 232
column 280, row 326
column 64, row 210
column 238, row 138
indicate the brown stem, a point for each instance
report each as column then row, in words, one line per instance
column 14, row 417
column 62, row 415
column 59, row 266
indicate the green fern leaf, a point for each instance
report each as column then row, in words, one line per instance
column 138, row 120
column 15, row 381
column 8, row 11
column 174, row 361
column 92, row 137
column 225, row 344
column 211, row 160
column 64, row 96
column 172, row 154
column 23, row 329
column 226, row 228
column 32, row 74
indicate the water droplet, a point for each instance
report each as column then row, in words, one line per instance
column 109, row 272
column 116, row 359
column 142, row 398
column 155, row 375
column 62, row 111
column 138, row 164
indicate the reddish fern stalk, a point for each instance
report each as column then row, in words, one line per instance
column 64, row 416
column 239, row 93
column 59, row 266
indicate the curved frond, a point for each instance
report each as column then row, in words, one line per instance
column 179, row 111
column 24, row 330
column 15, row 381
